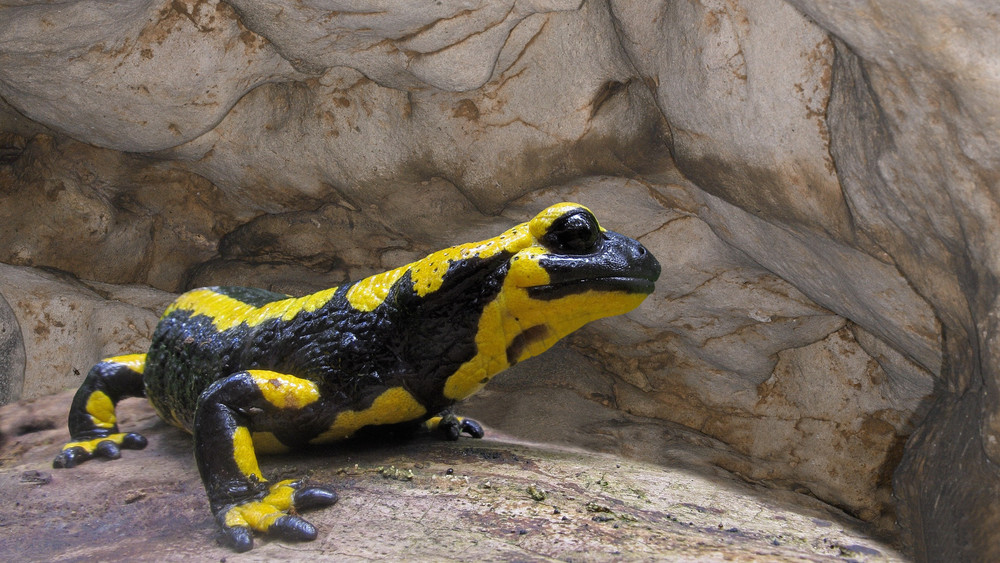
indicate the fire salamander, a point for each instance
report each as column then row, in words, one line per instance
column 247, row 370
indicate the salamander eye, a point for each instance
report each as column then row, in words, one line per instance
column 575, row 233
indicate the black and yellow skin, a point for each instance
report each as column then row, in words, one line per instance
column 247, row 370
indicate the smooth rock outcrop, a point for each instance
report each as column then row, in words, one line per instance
column 65, row 325
column 12, row 358
column 820, row 181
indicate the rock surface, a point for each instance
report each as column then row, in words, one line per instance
column 65, row 324
column 820, row 181
column 503, row 499
column 12, row 358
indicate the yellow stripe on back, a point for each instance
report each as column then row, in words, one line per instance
column 227, row 312
column 428, row 273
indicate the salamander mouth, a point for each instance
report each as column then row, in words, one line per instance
column 611, row 284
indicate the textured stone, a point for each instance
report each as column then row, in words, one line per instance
column 347, row 136
column 84, row 68
column 423, row 500
column 744, row 87
column 12, row 358
column 446, row 45
column 105, row 215
column 914, row 130
column 67, row 326
column 819, row 180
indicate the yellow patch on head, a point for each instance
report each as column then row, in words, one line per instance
column 515, row 326
column 514, row 313
column 540, row 224
column 394, row 405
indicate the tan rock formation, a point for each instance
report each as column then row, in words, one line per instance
column 820, row 181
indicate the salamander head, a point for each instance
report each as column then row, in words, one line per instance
column 574, row 272
column 563, row 271
column 571, row 254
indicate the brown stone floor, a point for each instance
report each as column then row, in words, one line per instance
column 505, row 500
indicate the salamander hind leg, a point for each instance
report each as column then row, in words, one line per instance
column 229, row 413
column 452, row 426
column 93, row 426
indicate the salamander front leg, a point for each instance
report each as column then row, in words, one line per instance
column 93, row 425
column 452, row 426
column 228, row 414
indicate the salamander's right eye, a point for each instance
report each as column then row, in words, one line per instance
column 576, row 232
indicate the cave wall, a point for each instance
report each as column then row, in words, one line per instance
column 820, row 181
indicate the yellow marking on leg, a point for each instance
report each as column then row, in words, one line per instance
column 90, row 445
column 101, row 410
column 134, row 362
column 234, row 517
column 281, row 494
column 227, row 312
column 285, row 391
column 261, row 514
column 433, row 422
column 392, row 406
column 255, row 515
column 243, row 453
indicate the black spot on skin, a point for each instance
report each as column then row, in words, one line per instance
column 523, row 340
